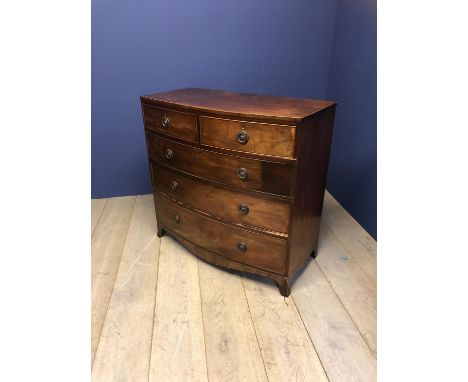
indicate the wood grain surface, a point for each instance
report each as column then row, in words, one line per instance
column 222, row 239
column 267, row 213
column 174, row 317
column 180, row 125
column 178, row 351
column 232, row 349
column 262, row 175
column 239, row 104
column 274, row 140
column 106, row 248
column 128, row 325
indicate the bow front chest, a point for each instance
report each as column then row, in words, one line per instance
column 239, row 179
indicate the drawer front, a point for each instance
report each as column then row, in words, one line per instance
column 234, row 205
column 173, row 123
column 260, row 138
column 258, row 250
column 259, row 175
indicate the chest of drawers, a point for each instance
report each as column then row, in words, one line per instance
column 239, row 179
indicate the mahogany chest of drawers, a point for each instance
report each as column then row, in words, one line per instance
column 239, row 179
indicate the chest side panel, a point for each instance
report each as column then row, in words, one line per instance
column 314, row 143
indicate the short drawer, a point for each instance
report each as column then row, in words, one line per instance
column 253, row 174
column 170, row 122
column 250, row 248
column 238, row 206
column 260, row 138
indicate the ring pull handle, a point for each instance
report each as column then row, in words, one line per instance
column 242, row 247
column 243, row 209
column 176, row 218
column 165, row 121
column 242, row 137
column 174, row 185
column 242, row 173
column 168, row 153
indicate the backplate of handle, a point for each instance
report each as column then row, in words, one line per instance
column 242, row 173
column 176, row 218
column 242, row 247
column 165, row 121
column 168, row 154
column 243, row 209
column 242, row 137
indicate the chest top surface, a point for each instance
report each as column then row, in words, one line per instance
column 239, row 104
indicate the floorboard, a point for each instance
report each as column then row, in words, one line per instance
column 287, row 350
column 357, row 242
column 178, row 350
column 106, row 250
column 354, row 289
column 232, row 349
column 124, row 348
column 343, row 352
column 97, row 206
column 161, row 314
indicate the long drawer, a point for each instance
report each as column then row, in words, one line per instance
column 258, row 250
column 238, row 206
column 253, row 174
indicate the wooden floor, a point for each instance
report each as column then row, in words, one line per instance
column 161, row 314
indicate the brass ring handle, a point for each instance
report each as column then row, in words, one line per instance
column 174, row 185
column 242, row 173
column 176, row 218
column 242, row 137
column 165, row 121
column 168, row 154
column 242, row 247
column 243, row 209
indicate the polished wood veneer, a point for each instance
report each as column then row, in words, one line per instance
column 221, row 238
column 261, row 175
column 260, row 138
column 239, row 179
column 182, row 125
column 223, row 202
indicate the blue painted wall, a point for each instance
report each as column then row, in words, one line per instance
column 265, row 46
column 352, row 176
column 145, row 46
